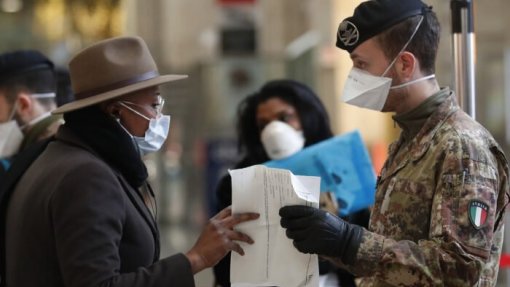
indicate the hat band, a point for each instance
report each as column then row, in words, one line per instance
column 117, row 85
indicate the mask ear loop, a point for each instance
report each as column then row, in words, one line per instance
column 13, row 112
column 405, row 46
column 134, row 111
column 43, row 95
column 413, row 82
column 130, row 136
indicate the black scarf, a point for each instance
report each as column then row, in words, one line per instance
column 106, row 137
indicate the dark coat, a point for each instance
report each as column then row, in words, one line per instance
column 75, row 221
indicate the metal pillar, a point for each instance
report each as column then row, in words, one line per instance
column 464, row 54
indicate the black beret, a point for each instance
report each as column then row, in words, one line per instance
column 17, row 63
column 373, row 17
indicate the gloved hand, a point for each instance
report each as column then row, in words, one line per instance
column 320, row 232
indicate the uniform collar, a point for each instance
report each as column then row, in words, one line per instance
column 401, row 153
column 420, row 144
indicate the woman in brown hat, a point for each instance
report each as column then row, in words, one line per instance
column 81, row 216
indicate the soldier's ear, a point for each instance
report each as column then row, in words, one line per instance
column 406, row 66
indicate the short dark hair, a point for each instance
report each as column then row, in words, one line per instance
column 26, row 71
column 424, row 45
column 312, row 114
column 37, row 81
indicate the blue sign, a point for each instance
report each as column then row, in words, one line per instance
column 344, row 166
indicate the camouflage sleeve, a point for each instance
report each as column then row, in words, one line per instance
column 465, row 234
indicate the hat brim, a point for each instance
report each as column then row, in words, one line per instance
column 92, row 100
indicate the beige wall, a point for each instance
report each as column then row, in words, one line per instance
column 182, row 34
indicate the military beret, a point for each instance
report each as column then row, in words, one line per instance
column 16, row 63
column 373, row 17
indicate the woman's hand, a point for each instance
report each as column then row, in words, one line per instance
column 218, row 238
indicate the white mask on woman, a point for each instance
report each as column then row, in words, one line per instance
column 280, row 140
column 155, row 135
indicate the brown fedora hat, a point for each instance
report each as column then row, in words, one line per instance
column 112, row 68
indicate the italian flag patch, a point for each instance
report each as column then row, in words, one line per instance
column 478, row 213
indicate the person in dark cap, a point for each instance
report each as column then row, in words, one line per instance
column 94, row 223
column 441, row 196
column 27, row 96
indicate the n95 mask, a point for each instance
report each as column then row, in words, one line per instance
column 280, row 140
column 365, row 90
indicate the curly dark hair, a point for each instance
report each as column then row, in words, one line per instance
column 312, row 114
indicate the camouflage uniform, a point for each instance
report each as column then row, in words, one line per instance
column 421, row 233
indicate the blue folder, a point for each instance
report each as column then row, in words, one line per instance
column 344, row 166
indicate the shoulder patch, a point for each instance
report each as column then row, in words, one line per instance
column 478, row 213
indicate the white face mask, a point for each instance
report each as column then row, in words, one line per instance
column 365, row 90
column 155, row 135
column 371, row 92
column 10, row 136
column 280, row 140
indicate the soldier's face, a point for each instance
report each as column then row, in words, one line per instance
column 369, row 57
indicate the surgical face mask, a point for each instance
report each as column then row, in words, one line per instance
column 371, row 92
column 155, row 135
column 280, row 140
column 10, row 136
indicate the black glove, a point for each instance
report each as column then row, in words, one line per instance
column 317, row 231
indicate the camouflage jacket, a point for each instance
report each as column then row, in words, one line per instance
column 438, row 213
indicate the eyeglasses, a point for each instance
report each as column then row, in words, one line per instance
column 157, row 107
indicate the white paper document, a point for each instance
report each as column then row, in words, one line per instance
column 272, row 260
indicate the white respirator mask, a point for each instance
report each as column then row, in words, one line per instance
column 280, row 140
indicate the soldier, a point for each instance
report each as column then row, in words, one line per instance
column 441, row 196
